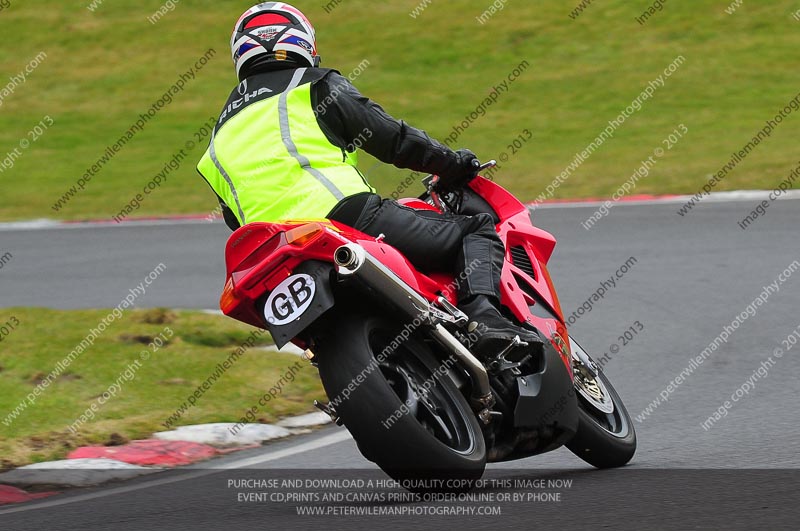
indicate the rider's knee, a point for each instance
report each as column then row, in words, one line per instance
column 482, row 223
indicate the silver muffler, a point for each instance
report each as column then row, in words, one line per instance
column 352, row 260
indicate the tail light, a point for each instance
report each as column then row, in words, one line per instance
column 228, row 300
column 253, row 268
column 304, row 234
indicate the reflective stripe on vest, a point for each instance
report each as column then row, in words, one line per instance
column 272, row 161
column 286, row 135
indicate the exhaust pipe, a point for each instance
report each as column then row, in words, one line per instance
column 352, row 260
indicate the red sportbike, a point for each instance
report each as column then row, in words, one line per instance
column 393, row 349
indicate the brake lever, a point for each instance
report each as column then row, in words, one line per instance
column 440, row 202
column 430, row 183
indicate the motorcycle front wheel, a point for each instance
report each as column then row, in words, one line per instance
column 605, row 437
column 394, row 396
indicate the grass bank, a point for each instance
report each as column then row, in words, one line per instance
column 129, row 380
column 106, row 68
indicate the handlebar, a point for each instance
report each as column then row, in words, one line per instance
column 442, row 203
column 486, row 165
column 427, row 182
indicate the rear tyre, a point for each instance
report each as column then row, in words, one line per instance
column 411, row 423
column 605, row 437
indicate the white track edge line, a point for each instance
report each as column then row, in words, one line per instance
column 716, row 197
column 322, row 442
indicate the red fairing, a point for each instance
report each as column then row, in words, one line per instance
column 259, row 256
column 503, row 202
column 417, row 204
column 520, row 291
column 245, row 240
column 398, row 263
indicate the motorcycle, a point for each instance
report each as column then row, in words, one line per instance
column 393, row 349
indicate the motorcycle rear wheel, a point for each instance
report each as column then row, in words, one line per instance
column 409, row 422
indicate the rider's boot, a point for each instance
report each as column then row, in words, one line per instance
column 494, row 331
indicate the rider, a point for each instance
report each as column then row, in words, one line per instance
column 284, row 148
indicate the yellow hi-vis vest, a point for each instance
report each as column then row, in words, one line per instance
column 270, row 161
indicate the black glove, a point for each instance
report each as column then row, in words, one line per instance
column 464, row 169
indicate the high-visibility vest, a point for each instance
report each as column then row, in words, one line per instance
column 268, row 158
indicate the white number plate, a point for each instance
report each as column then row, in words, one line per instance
column 290, row 299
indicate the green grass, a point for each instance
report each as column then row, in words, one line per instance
column 153, row 388
column 105, row 68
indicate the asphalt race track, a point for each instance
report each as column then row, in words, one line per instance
column 691, row 277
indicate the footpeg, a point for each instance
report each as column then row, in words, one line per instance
column 459, row 316
column 500, row 363
column 514, row 343
column 483, row 408
column 329, row 410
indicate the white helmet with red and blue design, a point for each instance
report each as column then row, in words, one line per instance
column 273, row 31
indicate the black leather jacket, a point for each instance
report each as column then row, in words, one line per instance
column 344, row 114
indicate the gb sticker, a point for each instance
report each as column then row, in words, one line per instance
column 290, row 299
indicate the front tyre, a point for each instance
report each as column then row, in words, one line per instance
column 605, row 437
column 405, row 418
